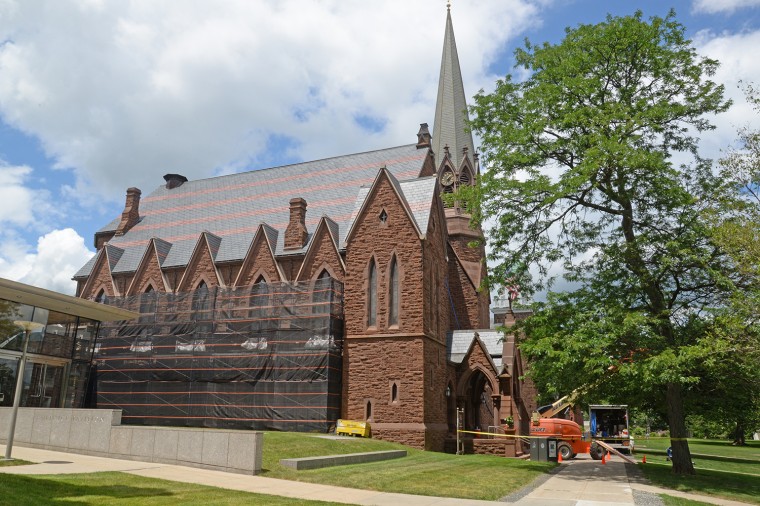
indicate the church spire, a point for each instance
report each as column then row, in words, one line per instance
column 449, row 128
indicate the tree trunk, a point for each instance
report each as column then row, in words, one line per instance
column 739, row 438
column 677, row 422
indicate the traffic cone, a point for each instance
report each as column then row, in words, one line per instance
column 608, row 455
column 603, row 461
column 559, row 458
column 644, row 459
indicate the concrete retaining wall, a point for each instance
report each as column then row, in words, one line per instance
column 341, row 460
column 99, row 432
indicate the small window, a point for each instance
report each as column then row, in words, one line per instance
column 372, row 294
column 383, row 216
column 394, row 392
column 393, row 296
column 369, row 411
column 101, row 296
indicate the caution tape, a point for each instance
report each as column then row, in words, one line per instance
column 565, row 438
column 571, row 438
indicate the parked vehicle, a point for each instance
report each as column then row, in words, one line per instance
column 607, row 423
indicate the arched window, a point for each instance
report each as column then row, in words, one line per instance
column 465, row 178
column 369, row 411
column 201, row 306
column 322, row 293
column 259, row 303
column 101, row 296
column 201, row 297
column 393, row 293
column 394, row 392
column 372, row 294
column 148, row 301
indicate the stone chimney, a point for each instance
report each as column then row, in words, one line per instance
column 174, row 180
column 296, row 234
column 131, row 214
column 423, row 136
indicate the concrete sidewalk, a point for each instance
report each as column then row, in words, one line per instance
column 51, row 462
column 586, row 482
column 580, row 482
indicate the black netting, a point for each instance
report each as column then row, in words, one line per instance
column 262, row 358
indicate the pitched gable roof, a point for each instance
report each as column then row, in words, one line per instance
column 416, row 196
column 233, row 206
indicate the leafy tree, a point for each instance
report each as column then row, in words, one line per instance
column 734, row 384
column 581, row 171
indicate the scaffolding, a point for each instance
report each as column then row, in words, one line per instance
column 266, row 357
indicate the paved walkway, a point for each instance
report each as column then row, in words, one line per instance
column 581, row 482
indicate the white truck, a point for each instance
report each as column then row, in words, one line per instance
column 608, row 423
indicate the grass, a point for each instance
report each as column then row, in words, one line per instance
column 723, row 470
column 423, row 473
column 14, row 462
column 122, row 488
column 669, row 500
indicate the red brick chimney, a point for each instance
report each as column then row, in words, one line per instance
column 131, row 214
column 296, row 234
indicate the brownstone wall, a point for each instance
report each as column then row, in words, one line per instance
column 100, row 277
column 201, row 266
column 322, row 253
column 148, row 272
column 435, row 269
column 259, row 259
column 371, row 237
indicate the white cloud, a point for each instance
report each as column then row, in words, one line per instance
column 737, row 54
column 715, row 6
column 58, row 256
column 17, row 200
column 123, row 92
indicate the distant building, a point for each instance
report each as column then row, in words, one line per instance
column 288, row 297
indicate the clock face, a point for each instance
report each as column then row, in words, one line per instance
column 447, row 179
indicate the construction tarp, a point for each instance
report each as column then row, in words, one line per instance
column 267, row 357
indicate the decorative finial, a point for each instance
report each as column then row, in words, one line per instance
column 448, row 5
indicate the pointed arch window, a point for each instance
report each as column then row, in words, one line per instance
column 201, row 297
column 465, row 178
column 201, row 306
column 259, row 304
column 372, row 294
column 393, row 292
column 322, row 293
column 148, row 301
column 101, row 296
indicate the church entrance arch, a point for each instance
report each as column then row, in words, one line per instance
column 479, row 409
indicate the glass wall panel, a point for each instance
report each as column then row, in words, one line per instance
column 8, row 368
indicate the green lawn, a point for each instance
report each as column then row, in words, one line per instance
column 14, row 462
column 125, row 489
column 723, row 470
column 424, row 473
column 669, row 500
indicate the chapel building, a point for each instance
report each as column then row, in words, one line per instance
column 289, row 297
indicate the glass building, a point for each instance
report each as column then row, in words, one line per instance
column 59, row 355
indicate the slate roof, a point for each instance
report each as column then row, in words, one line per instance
column 450, row 125
column 458, row 344
column 232, row 207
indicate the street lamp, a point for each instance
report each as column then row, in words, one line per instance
column 28, row 327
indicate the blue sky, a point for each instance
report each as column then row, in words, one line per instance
column 98, row 96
